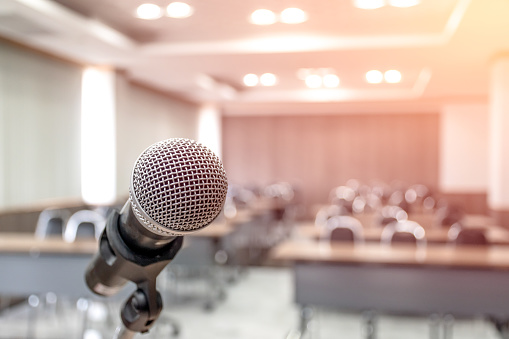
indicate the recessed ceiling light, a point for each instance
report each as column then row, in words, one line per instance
column 330, row 80
column 293, row 16
column 268, row 79
column 250, row 80
column 148, row 12
column 369, row 4
column 374, row 77
column 314, row 81
column 404, row 3
column 179, row 10
column 392, row 76
column 263, row 17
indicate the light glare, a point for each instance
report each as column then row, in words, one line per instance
column 268, row 79
column 374, row 77
column 98, row 153
column 263, row 17
column 250, row 80
column 369, row 4
column 293, row 16
column 392, row 76
column 313, row 81
column 179, row 10
column 330, row 80
column 148, row 12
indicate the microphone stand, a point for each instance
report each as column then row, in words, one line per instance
column 143, row 307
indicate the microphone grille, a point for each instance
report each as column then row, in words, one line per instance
column 177, row 186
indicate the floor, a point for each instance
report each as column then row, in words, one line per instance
column 258, row 305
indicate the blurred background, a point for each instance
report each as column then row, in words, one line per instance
column 316, row 108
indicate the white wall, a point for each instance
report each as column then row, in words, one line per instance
column 464, row 146
column 39, row 130
column 40, row 111
column 143, row 118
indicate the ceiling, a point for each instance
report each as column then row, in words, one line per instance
column 443, row 48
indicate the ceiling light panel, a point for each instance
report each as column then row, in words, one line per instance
column 392, row 76
column 149, row 12
column 263, row 17
column 293, row 16
column 250, row 80
column 179, row 10
column 330, row 80
column 374, row 76
column 268, row 79
column 314, row 81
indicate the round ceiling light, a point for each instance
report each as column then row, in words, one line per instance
column 263, row 17
column 148, row 12
column 250, row 80
column 179, row 10
column 314, row 81
column 331, row 80
column 293, row 16
column 374, row 77
column 268, row 79
column 392, row 76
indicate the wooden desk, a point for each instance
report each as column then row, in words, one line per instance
column 464, row 281
column 496, row 235
column 29, row 265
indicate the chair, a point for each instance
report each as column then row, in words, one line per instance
column 84, row 223
column 391, row 213
column 51, row 222
column 448, row 215
column 327, row 212
column 405, row 231
column 344, row 228
column 458, row 235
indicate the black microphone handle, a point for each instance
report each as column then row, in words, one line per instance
column 122, row 258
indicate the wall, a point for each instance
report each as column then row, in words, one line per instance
column 320, row 152
column 40, row 118
column 39, row 130
column 464, row 155
column 145, row 116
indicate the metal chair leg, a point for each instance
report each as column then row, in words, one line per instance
column 369, row 328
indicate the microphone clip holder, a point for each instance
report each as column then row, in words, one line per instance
column 143, row 307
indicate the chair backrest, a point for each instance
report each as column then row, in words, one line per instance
column 459, row 235
column 51, row 222
column 84, row 223
column 404, row 231
column 390, row 214
column 344, row 228
column 327, row 212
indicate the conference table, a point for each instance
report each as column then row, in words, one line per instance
column 400, row 279
column 30, row 265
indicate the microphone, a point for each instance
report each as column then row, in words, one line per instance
column 177, row 186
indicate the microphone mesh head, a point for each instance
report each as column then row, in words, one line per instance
column 177, row 186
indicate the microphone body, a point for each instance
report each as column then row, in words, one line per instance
column 177, row 186
column 128, row 253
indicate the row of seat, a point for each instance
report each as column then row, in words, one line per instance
column 348, row 228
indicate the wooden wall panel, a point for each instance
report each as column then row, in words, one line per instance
column 320, row 152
